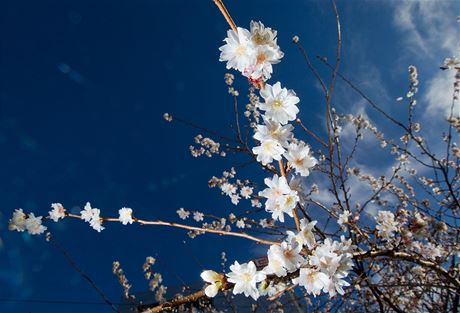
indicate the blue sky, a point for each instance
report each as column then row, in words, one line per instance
column 84, row 84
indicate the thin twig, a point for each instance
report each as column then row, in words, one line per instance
column 225, row 13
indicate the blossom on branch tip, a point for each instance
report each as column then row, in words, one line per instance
column 238, row 51
column 245, row 277
column 215, row 281
column 21, row 222
column 18, row 221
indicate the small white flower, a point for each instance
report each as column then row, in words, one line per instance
column 275, row 131
column 261, row 35
column 306, row 237
column 198, row 216
column 288, row 253
column 280, row 103
column 215, row 280
column 228, row 188
column 255, row 203
column 34, row 225
column 344, row 218
column 300, row 158
column 240, row 223
column 245, row 277
column 235, row 199
column 386, row 224
column 280, row 198
column 265, row 56
column 183, row 214
column 238, row 51
column 18, row 221
column 87, row 213
column 57, row 212
column 268, row 151
column 125, row 216
column 91, row 215
column 275, row 263
column 264, row 223
column 246, row 192
column 451, row 63
column 314, row 281
column 96, row 221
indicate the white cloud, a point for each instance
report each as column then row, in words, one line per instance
column 438, row 96
column 430, row 26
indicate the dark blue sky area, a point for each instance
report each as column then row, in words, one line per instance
column 83, row 86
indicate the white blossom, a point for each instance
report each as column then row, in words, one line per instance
column 313, row 280
column 386, row 224
column 183, row 214
column 235, row 198
column 238, row 51
column 288, row 253
column 306, row 237
column 300, row 158
column 280, row 103
column 34, row 225
column 275, row 131
column 261, row 35
column 91, row 215
column 280, row 198
column 96, row 221
column 245, row 277
column 268, row 151
column 325, row 257
column 198, row 216
column 215, row 281
column 125, row 216
column 228, row 188
column 344, row 218
column 275, row 263
column 246, row 192
column 57, row 211
column 18, row 221
column 451, row 63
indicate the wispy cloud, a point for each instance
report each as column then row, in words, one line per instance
column 429, row 26
column 431, row 29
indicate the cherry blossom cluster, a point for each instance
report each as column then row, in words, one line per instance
column 299, row 260
column 323, row 270
column 33, row 224
column 252, row 52
column 235, row 189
